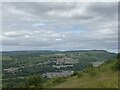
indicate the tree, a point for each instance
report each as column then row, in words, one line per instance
column 118, row 63
column 35, row 81
column 118, row 56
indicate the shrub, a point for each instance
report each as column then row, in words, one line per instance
column 74, row 74
column 94, row 72
column 58, row 80
column 79, row 75
column 116, row 65
column 35, row 81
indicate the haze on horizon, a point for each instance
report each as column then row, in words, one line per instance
column 60, row 26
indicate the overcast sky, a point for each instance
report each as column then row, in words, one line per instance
column 60, row 26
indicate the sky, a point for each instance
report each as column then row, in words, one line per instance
column 59, row 26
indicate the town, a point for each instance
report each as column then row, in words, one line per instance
column 57, row 63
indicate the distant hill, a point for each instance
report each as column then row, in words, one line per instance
column 44, row 52
column 40, row 52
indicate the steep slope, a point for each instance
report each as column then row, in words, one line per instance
column 105, row 76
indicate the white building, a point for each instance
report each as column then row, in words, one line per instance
column 58, row 74
column 97, row 63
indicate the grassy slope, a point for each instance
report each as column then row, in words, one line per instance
column 105, row 78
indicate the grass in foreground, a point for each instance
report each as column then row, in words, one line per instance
column 105, row 76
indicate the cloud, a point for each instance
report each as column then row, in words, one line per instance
column 62, row 26
column 38, row 24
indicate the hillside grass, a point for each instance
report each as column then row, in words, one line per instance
column 105, row 76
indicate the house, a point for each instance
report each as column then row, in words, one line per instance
column 11, row 70
column 62, row 66
column 97, row 63
column 58, row 74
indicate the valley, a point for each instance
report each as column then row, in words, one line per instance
column 17, row 66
